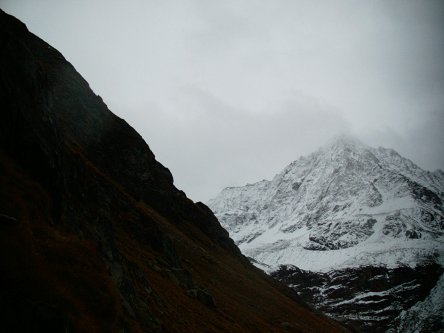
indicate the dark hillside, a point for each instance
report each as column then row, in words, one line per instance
column 94, row 236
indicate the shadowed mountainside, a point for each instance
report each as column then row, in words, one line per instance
column 94, row 236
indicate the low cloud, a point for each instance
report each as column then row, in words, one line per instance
column 229, row 92
column 217, row 145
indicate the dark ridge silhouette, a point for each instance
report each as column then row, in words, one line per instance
column 94, row 236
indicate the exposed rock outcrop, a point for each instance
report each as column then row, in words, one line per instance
column 368, row 298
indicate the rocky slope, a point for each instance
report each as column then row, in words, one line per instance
column 94, row 236
column 372, row 298
column 344, row 208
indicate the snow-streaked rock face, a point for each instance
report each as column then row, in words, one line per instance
column 424, row 316
column 373, row 298
column 365, row 214
column 345, row 205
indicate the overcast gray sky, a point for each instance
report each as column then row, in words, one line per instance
column 229, row 92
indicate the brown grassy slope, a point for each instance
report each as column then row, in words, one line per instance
column 49, row 277
column 53, row 271
column 94, row 235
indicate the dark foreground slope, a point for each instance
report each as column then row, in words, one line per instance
column 94, row 237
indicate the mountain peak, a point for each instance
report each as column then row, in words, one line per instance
column 324, row 202
column 344, row 141
column 346, row 211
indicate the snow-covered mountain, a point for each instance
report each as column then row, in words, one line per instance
column 371, row 206
column 343, row 207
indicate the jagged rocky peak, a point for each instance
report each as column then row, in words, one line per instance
column 341, row 195
column 342, row 208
